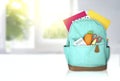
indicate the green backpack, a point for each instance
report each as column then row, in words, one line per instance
column 84, row 57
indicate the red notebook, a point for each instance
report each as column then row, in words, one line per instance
column 69, row 20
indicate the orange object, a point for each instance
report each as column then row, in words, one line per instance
column 88, row 38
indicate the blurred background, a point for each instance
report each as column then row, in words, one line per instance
column 36, row 26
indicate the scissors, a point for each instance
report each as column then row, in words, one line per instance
column 98, row 38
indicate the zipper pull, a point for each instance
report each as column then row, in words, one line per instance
column 97, row 49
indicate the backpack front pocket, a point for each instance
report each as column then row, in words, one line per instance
column 86, row 56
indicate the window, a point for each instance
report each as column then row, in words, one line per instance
column 19, row 24
column 52, row 14
column 52, row 29
column 34, row 25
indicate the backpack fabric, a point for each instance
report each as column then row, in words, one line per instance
column 85, row 55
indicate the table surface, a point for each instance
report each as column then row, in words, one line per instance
column 51, row 67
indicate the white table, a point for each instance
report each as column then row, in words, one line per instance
column 51, row 67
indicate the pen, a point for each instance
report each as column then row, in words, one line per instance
column 94, row 41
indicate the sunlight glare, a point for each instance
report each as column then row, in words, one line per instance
column 16, row 5
column 53, row 10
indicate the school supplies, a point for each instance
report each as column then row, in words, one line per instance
column 91, row 39
column 69, row 20
column 104, row 21
column 94, row 41
column 80, row 41
column 98, row 38
column 88, row 38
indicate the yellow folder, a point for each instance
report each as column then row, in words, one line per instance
column 104, row 21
